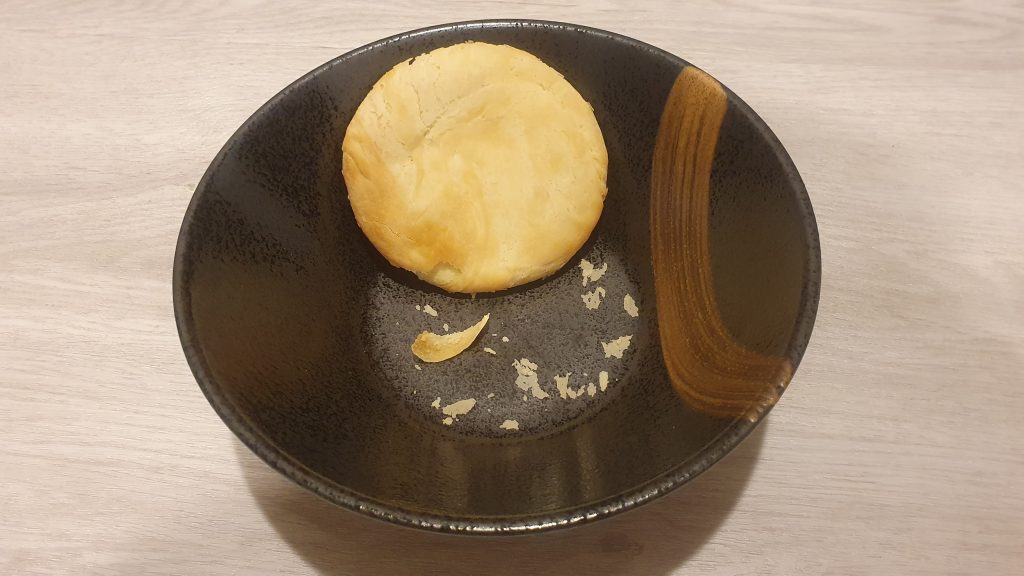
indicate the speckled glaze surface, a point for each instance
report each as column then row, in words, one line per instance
column 298, row 331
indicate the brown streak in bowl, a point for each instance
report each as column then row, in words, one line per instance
column 709, row 369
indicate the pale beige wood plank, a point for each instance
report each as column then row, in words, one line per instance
column 896, row 450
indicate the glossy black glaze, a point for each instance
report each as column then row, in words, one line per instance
column 298, row 331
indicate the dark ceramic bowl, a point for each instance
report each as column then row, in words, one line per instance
column 298, row 331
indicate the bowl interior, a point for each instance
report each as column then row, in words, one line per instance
column 298, row 331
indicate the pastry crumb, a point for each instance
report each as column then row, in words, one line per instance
column 592, row 300
column 602, row 380
column 503, row 338
column 526, row 379
column 456, row 409
column 629, row 305
column 590, row 272
column 616, row 347
column 431, row 347
column 490, row 350
column 509, row 425
column 562, row 385
column 428, row 309
column 436, row 403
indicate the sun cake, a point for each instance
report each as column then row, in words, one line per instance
column 477, row 167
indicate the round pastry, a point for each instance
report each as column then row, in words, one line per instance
column 477, row 167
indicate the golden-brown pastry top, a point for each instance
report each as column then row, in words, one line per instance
column 477, row 167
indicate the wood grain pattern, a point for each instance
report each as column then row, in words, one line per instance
column 896, row 449
column 710, row 370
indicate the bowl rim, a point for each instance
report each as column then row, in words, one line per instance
column 641, row 494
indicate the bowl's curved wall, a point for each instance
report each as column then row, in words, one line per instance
column 273, row 281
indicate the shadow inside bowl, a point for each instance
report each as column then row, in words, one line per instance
column 652, row 540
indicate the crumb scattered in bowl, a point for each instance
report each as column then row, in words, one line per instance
column 526, row 379
column 456, row 409
column 592, row 299
column 629, row 305
column 616, row 347
column 562, row 385
column 590, row 272
column 431, row 347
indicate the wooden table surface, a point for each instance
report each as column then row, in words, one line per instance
column 896, row 450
